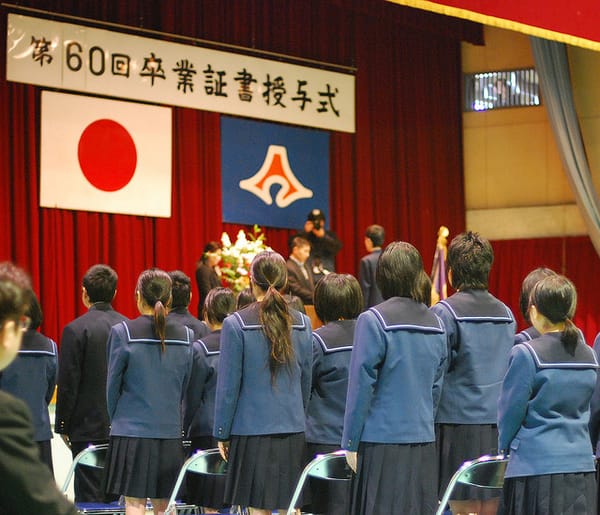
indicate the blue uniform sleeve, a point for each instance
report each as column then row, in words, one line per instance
column 514, row 395
column 117, row 363
column 451, row 332
column 317, row 364
column 307, row 364
column 195, row 390
column 594, row 424
column 229, row 381
column 439, row 377
column 368, row 353
column 52, row 373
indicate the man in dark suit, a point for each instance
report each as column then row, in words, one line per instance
column 300, row 278
column 182, row 296
column 27, row 483
column 81, row 414
column 374, row 238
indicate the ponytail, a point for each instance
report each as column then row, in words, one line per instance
column 274, row 317
column 160, row 323
column 570, row 336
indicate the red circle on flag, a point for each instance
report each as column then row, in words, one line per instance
column 107, row 155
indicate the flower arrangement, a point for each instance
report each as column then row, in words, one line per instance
column 236, row 258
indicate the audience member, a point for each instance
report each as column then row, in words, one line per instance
column 481, row 332
column 81, row 415
column 199, row 402
column 300, row 279
column 529, row 282
column 374, row 238
column 32, row 378
column 261, row 400
column 182, row 296
column 324, row 244
column 27, row 485
column 244, row 298
column 149, row 365
column 543, row 410
column 295, row 302
column 338, row 301
column 396, row 373
column 207, row 272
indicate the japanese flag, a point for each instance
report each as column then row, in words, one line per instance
column 105, row 155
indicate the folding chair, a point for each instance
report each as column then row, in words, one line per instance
column 204, row 462
column 332, row 467
column 93, row 456
column 483, row 472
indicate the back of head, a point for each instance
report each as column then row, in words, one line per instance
column 555, row 297
column 219, row 303
column 14, row 292
column 398, row 271
column 470, row 259
column 531, row 279
column 424, row 289
column 100, row 283
column 376, row 233
column 34, row 310
column 338, row 296
column 268, row 272
column 154, row 288
column 181, row 289
column 245, row 298
column 298, row 242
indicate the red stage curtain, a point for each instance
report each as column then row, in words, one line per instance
column 402, row 168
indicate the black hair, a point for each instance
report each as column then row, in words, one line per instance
column 398, row 271
column 34, row 310
column 424, row 289
column 210, row 247
column 531, row 279
column 470, row 259
column 219, row 303
column 269, row 273
column 245, row 298
column 555, row 297
column 376, row 233
column 295, row 302
column 14, row 288
column 154, row 286
column 181, row 289
column 298, row 241
column 100, row 283
column 338, row 296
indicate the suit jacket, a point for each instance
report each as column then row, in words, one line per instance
column 298, row 284
column 27, row 484
column 366, row 278
column 81, row 397
column 206, row 279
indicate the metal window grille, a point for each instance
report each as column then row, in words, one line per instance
column 497, row 90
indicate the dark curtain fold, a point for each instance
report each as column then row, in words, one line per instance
column 402, row 168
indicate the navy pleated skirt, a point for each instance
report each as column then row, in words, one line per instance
column 551, row 494
column 263, row 470
column 395, row 478
column 457, row 443
column 142, row 467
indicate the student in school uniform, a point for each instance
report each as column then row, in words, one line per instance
column 149, row 365
column 338, row 302
column 32, row 378
column 182, row 296
column 266, row 351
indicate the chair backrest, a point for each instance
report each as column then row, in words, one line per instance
column 206, row 462
column 484, row 472
column 92, row 456
column 332, row 466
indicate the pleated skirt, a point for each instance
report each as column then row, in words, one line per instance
column 321, row 495
column 551, row 494
column 457, row 443
column 395, row 478
column 142, row 467
column 263, row 470
column 203, row 490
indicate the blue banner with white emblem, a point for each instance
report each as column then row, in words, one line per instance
column 272, row 175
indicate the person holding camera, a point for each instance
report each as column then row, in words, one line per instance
column 324, row 244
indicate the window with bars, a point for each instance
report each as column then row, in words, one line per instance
column 497, row 90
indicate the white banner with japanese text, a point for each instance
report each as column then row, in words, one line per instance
column 98, row 61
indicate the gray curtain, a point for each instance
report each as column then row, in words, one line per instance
column 552, row 64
